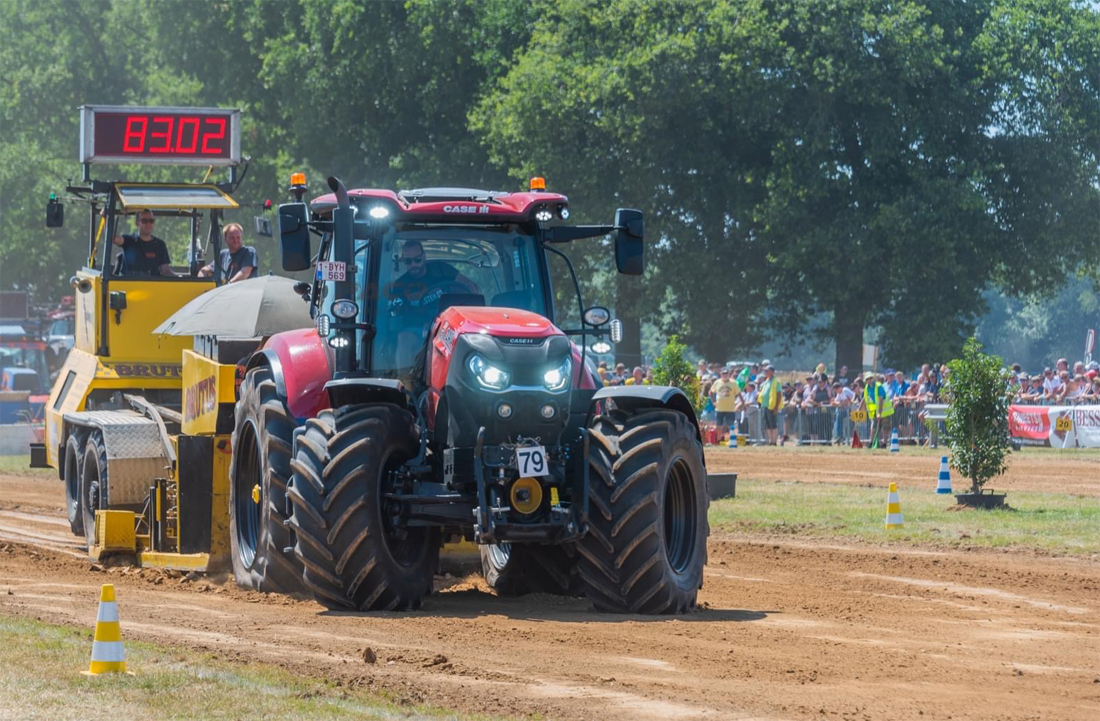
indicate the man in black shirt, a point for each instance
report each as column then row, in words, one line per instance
column 237, row 260
column 144, row 253
column 424, row 282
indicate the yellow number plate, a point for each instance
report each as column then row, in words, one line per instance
column 858, row 416
column 1063, row 424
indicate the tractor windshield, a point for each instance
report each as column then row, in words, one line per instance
column 427, row 268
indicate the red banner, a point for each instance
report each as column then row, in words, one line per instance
column 1029, row 422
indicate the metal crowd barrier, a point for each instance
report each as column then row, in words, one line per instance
column 916, row 423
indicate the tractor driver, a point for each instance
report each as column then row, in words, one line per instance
column 144, row 253
column 415, row 296
column 424, row 282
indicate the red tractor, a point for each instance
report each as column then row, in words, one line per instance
column 437, row 398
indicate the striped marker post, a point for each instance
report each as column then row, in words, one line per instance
column 107, row 653
column 893, row 508
column 943, row 485
column 895, row 447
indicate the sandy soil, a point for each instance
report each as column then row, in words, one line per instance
column 1045, row 470
column 786, row 631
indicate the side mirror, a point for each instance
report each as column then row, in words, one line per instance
column 294, row 236
column 303, row 289
column 629, row 230
column 55, row 213
column 597, row 316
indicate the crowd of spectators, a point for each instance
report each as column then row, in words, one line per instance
column 731, row 392
column 620, row 376
column 1056, row 386
column 734, row 391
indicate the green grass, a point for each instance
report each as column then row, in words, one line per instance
column 21, row 466
column 41, row 678
column 1048, row 522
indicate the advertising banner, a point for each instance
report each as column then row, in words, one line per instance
column 1056, row 426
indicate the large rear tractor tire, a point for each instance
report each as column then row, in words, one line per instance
column 515, row 569
column 353, row 553
column 74, row 466
column 647, row 541
column 258, row 475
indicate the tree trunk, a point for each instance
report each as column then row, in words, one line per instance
column 848, row 334
column 627, row 299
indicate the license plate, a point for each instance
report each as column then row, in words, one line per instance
column 332, row 270
column 531, row 461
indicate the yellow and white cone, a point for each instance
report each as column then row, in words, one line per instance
column 107, row 653
column 893, row 508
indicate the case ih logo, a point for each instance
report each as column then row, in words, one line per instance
column 469, row 209
column 524, row 341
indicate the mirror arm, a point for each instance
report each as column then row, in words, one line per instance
column 567, row 233
column 577, row 287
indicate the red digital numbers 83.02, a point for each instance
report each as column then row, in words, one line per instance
column 171, row 134
column 149, row 134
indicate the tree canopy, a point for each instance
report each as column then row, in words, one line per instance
column 854, row 164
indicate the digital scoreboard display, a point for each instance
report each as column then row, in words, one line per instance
column 160, row 136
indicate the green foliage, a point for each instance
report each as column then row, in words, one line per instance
column 977, row 419
column 672, row 369
column 874, row 164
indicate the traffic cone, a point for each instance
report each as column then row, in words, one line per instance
column 855, row 439
column 943, row 485
column 893, row 508
column 894, row 447
column 107, row 653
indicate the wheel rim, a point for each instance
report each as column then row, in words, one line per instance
column 247, row 511
column 680, row 516
column 499, row 553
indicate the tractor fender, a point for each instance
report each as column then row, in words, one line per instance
column 346, row 391
column 301, row 365
column 632, row 398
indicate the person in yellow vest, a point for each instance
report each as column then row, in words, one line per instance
column 879, row 409
column 771, row 398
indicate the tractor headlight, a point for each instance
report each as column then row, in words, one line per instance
column 488, row 376
column 323, row 325
column 558, row 378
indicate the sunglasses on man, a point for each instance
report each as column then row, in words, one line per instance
column 413, row 260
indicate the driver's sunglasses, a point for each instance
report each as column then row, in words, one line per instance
column 147, row 221
column 413, row 260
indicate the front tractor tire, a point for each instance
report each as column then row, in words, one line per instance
column 647, row 541
column 258, row 535
column 354, row 554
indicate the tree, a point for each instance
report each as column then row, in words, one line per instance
column 672, row 369
column 866, row 159
column 977, row 419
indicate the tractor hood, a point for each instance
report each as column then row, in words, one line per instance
column 511, row 325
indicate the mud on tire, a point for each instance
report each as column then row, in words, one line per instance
column 514, row 569
column 262, row 432
column 646, row 545
column 352, row 555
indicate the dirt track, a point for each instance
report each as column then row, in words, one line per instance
column 787, row 631
column 1045, row 470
